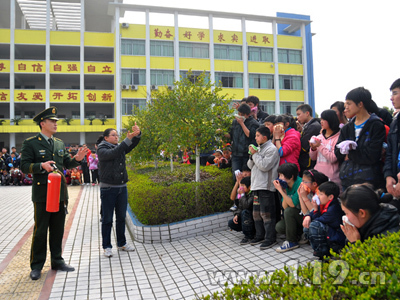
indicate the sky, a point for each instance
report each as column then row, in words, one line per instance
column 356, row 43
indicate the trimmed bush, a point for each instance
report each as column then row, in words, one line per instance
column 368, row 270
column 159, row 196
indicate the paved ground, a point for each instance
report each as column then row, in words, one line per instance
column 177, row 270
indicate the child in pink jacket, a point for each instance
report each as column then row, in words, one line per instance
column 323, row 146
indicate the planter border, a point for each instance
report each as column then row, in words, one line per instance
column 166, row 233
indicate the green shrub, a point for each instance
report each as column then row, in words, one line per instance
column 159, row 196
column 368, row 270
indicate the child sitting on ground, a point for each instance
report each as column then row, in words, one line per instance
column 243, row 217
column 75, row 177
column 309, row 187
column 16, row 177
column 235, row 194
column 225, row 160
column 287, row 185
column 5, row 178
column 322, row 226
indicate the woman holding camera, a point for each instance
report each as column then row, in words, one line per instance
column 113, row 178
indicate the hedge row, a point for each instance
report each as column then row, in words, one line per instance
column 159, row 196
column 369, row 270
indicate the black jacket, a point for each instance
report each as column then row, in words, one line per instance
column 112, row 168
column 240, row 142
column 392, row 151
column 313, row 127
column 383, row 221
column 364, row 163
column 245, row 202
column 261, row 115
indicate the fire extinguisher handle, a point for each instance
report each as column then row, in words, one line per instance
column 54, row 166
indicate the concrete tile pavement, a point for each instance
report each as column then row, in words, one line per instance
column 177, row 270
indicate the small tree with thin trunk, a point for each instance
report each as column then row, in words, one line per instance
column 191, row 113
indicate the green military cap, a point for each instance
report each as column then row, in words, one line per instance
column 48, row 113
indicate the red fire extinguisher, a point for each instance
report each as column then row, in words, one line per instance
column 53, row 191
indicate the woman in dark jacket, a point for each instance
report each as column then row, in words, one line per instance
column 113, row 178
column 362, row 164
column 367, row 216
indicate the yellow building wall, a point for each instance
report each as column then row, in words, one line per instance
column 261, row 67
column 29, row 95
column 62, row 67
column 106, row 68
column 259, row 39
column 30, row 66
column 290, row 69
column 101, row 39
column 4, row 66
column 194, row 35
column 134, row 31
column 136, row 62
column 166, row 33
column 232, row 92
column 197, row 64
column 157, row 62
column 23, row 36
column 228, row 37
column 292, row 42
column 228, row 65
column 263, row 94
column 4, row 96
column 287, row 95
column 65, row 38
column 65, row 96
column 140, row 93
column 5, row 36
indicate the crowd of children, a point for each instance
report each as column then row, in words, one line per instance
column 315, row 180
column 10, row 174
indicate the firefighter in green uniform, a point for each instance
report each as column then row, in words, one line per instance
column 39, row 153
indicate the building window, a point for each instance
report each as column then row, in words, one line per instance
column 261, row 81
column 133, row 76
column 260, row 54
column 133, row 47
column 129, row 104
column 194, row 50
column 161, row 48
column 232, row 80
column 267, row 106
column 287, row 82
column 289, row 107
column 194, row 76
column 227, row 52
column 289, row 56
column 161, row 77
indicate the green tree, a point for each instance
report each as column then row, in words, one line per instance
column 185, row 117
column 191, row 113
column 150, row 144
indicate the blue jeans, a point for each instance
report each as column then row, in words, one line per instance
column 113, row 199
column 245, row 224
column 317, row 235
